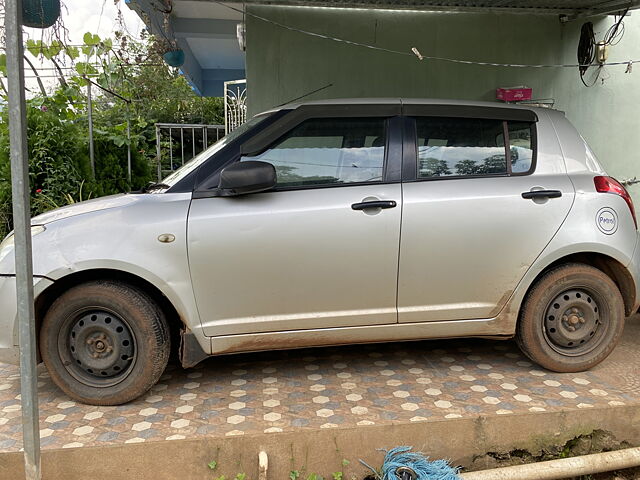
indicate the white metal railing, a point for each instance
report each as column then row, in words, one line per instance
column 177, row 143
column 235, row 104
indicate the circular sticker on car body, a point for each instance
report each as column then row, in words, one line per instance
column 607, row 220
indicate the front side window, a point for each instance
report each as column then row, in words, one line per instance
column 472, row 147
column 205, row 155
column 329, row 151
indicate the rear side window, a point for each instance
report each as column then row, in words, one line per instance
column 329, row 151
column 521, row 146
column 454, row 147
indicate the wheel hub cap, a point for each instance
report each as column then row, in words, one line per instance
column 101, row 344
column 572, row 319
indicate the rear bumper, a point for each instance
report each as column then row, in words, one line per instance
column 8, row 313
column 634, row 268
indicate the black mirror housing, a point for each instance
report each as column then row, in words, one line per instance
column 251, row 176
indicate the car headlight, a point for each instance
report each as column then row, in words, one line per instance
column 10, row 239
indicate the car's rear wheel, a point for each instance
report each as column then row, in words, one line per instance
column 572, row 318
column 104, row 342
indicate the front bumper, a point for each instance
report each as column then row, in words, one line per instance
column 8, row 312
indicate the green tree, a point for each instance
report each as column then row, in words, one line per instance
column 467, row 167
column 432, row 167
column 493, row 164
column 131, row 83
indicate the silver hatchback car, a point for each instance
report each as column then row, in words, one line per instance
column 338, row 222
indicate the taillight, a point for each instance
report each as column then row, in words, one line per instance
column 611, row 185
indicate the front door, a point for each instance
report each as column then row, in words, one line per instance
column 468, row 235
column 313, row 253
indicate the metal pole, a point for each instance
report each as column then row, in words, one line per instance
column 128, row 144
column 158, row 153
column 193, row 141
column 90, row 115
column 22, row 232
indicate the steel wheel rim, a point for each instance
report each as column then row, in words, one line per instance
column 97, row 347
column 574, row 323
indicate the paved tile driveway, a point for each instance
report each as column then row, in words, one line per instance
column 327, row 388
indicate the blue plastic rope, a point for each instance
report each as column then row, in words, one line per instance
column 425, row 470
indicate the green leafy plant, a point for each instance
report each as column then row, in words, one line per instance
column 294, row 475
column 132, row 83
column 212, row 465
column 70, row 199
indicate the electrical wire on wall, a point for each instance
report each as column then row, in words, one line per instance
column 616, row 31
column 414, row 52
column 586, row 51
column 589, row 51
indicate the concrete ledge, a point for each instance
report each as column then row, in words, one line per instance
column 322, row 451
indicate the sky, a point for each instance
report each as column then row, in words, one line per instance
column 79, row 17
column 95, row 16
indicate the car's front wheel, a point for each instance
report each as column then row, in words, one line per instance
column 572, row 318
column 104, row 342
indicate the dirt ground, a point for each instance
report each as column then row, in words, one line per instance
column 596, row 442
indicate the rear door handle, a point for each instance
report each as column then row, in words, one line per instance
column 374, row 204
column 542, row 194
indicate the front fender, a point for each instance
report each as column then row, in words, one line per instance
column 125, row 238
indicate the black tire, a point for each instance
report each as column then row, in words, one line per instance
column 571, row 319
column 104, row 342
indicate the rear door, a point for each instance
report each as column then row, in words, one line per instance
column 468, row 232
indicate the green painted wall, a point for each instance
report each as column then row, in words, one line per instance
column 607, row 114
column 283, row 65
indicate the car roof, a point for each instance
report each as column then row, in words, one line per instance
column 407, row 101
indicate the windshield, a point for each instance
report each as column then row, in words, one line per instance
column 199, row 159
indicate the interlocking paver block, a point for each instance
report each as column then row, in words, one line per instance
column 346, row 387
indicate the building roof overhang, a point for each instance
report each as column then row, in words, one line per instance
column 207, row 30
column 572, row 8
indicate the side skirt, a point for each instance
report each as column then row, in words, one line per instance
column 501, row 327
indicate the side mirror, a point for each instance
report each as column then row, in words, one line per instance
column 251, row 176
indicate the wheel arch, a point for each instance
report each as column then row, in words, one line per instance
column 44, row 301
column 607, row 264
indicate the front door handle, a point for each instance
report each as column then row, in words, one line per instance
column 374, row 204
column 542, row 194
